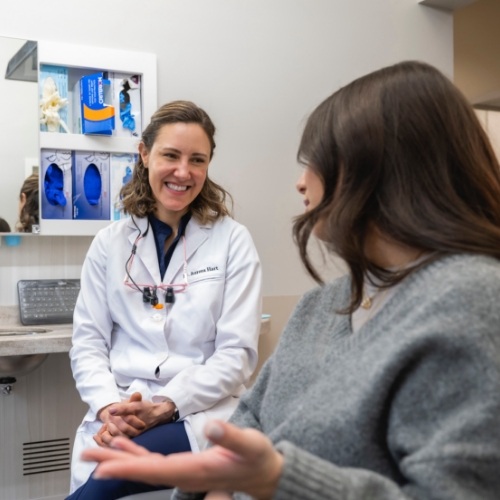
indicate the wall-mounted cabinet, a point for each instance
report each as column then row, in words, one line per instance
column 94, row 103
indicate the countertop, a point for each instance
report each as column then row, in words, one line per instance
column 39, row 339
column 36, row 339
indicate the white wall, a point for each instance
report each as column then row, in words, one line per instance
column 258, row 67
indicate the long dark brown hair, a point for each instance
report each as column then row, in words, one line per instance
column 137, row 197
column 29, row 214
column 400, row 149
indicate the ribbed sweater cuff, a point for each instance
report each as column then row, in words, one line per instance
column 306, row 477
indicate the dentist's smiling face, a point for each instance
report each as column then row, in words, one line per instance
column 177, row 164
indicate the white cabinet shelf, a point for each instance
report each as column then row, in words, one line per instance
column 49, row 140
column 61, row 227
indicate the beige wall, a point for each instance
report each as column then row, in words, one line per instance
column 280, row 308
column 493, row 129
column 477, row 48
column 491, row 123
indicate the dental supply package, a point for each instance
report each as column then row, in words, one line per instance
column 56, row 184
column 53, row 98
column 127, row 103
column 93, row 109
column 91, row 185
column 121, row 167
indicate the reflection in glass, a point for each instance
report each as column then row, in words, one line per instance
column 28, row 206
column 4, row 226
column 19, row 135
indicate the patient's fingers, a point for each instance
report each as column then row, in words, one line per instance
column 249, row 444
column 121, row 447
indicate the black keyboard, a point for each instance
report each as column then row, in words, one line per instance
column 45, row 302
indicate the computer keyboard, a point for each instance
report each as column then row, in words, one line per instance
column 45, row 302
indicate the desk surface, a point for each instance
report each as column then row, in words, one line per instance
column 57, row 338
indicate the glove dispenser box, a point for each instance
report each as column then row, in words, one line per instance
column 56, row 184
column 91, row 185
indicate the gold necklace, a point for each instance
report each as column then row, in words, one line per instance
column 367, row 302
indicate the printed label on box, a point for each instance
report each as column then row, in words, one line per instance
column 96, row 113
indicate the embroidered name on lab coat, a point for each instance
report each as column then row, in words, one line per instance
column 205, row 270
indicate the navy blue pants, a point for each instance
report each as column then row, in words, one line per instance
column 164, row 439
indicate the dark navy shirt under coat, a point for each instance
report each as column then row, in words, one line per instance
column 162, row 232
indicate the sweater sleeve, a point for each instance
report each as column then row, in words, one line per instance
column 305, row 476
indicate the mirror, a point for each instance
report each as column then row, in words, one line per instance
column 18, row 132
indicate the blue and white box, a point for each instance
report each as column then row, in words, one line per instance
column 93, row 111
column 122, row 168
column 91, row 185
column 56, row 184
column 127, row 103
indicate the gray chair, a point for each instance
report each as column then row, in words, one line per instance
column 152, row 495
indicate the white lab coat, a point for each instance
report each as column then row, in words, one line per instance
column 198, row 352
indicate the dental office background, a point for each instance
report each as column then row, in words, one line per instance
column 258, row 68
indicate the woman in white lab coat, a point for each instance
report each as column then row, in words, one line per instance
column 167, row 322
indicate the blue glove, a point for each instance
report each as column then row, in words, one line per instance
column 92, row 184
column 54, row 185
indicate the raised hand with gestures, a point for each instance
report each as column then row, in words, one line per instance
column 241, row 460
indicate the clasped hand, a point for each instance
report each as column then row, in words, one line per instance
column 240, row 460
column 131, row 417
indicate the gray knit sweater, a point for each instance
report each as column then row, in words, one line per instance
column 407, row 408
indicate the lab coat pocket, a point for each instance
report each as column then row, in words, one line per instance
column 204, row 297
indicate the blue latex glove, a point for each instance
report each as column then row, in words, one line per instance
column 54, row 185
column 92, row 184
